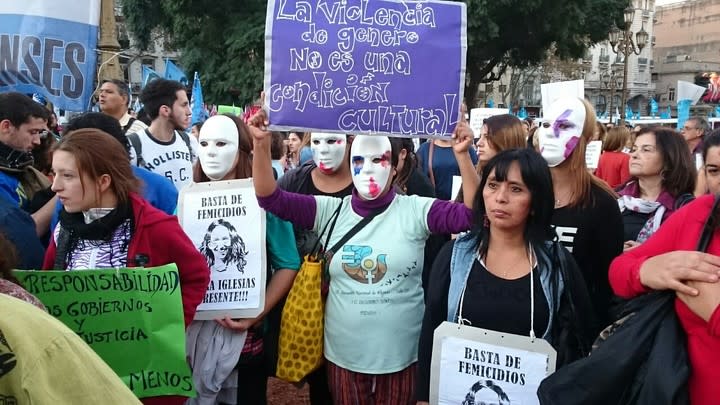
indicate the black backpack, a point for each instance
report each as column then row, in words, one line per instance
column 137, row 145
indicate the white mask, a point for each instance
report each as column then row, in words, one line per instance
column 370, row 165
column 561, row 130
column 218, row 141
column 328, row 151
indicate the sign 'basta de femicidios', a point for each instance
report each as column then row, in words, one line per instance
column 365, row 67
column 473, row 366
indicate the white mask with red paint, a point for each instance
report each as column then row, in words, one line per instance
column 370, row 165
column 328, row 151
column 561, row 130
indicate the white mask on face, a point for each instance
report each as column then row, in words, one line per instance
column 370, row 165
column 561, row 130
column 218, row 141
column 328, row 151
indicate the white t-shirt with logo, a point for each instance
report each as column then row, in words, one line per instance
column 171, row 159
column 375, row 306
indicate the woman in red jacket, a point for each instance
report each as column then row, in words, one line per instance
column 105, row 224
column 667, row 261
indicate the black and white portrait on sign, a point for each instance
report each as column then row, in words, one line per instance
column 223, row 248
column 486, row 393
column 226, row 224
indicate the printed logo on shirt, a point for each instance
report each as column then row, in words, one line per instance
column 358, row 263
column 180, row 175
column 7, row 357
column 566, row 236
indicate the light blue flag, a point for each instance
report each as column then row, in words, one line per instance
column 653, row 107
column 717, row 111
column 172, row 72
column 667, row 114
column 628, row 112
column 148, row 75
column 683, row 107
column 510, row 110
column 522, row 114
column 491, row 103
column 199, row 114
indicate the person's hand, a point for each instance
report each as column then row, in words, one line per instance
column 463, row 138
column 630, row 245
column 238, row 325
column 672, row 271
column 706, row 302
column 258, row 122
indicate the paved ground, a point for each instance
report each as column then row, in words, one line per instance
column 282, row 393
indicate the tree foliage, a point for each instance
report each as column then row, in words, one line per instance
column 225, row 40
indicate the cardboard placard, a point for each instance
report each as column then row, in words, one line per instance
column 473, row 366
column 132, row 318
column 365, row 67
column 225, row 222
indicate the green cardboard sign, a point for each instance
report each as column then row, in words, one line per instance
column 230, row 109
column 132, row 318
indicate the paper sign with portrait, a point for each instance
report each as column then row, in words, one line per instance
column 474, row 366
column 225, row 222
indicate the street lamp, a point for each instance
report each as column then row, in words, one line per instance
column 622, row 42
column 611, row 81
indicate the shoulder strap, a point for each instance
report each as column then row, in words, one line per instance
column 709, row 227
column 137, row 145
column 330, row 224
column 185, row 137
column 355, row 229
column 430, row 167
column 128, row 125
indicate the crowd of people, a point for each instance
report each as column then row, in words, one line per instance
column 532, row 231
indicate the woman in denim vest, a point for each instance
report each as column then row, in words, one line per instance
column 485, row 275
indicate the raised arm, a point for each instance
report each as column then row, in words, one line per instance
column 296, row 208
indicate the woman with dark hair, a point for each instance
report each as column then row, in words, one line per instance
column 223, row 248
column 614, row 166
column 408, row 178
column 106, row 224
column 383, row 258
column 661, row 170
column 708, row 180
column 224, row 153
column 586, row 218
column 508, row 252
column 669, row 261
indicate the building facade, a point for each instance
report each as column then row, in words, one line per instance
column 687, row 36
column 132, row 59
column 601, row 68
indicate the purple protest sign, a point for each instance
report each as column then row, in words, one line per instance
column 386, row 67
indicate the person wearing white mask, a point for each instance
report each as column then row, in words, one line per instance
column 229, row 353
column 375, row 303
column 327, row 174
column 586, row 218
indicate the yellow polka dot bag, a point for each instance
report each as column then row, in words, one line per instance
column 301, row 326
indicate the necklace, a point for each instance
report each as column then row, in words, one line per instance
column 506, row 268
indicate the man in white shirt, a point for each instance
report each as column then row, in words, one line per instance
column 164, row 147
column 113, row 100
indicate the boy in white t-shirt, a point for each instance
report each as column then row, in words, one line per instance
column 164, row 147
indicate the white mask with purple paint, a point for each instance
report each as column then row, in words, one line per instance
column 561, row 130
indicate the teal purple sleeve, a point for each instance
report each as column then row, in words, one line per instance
column 449, row 217
column 299, row 209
